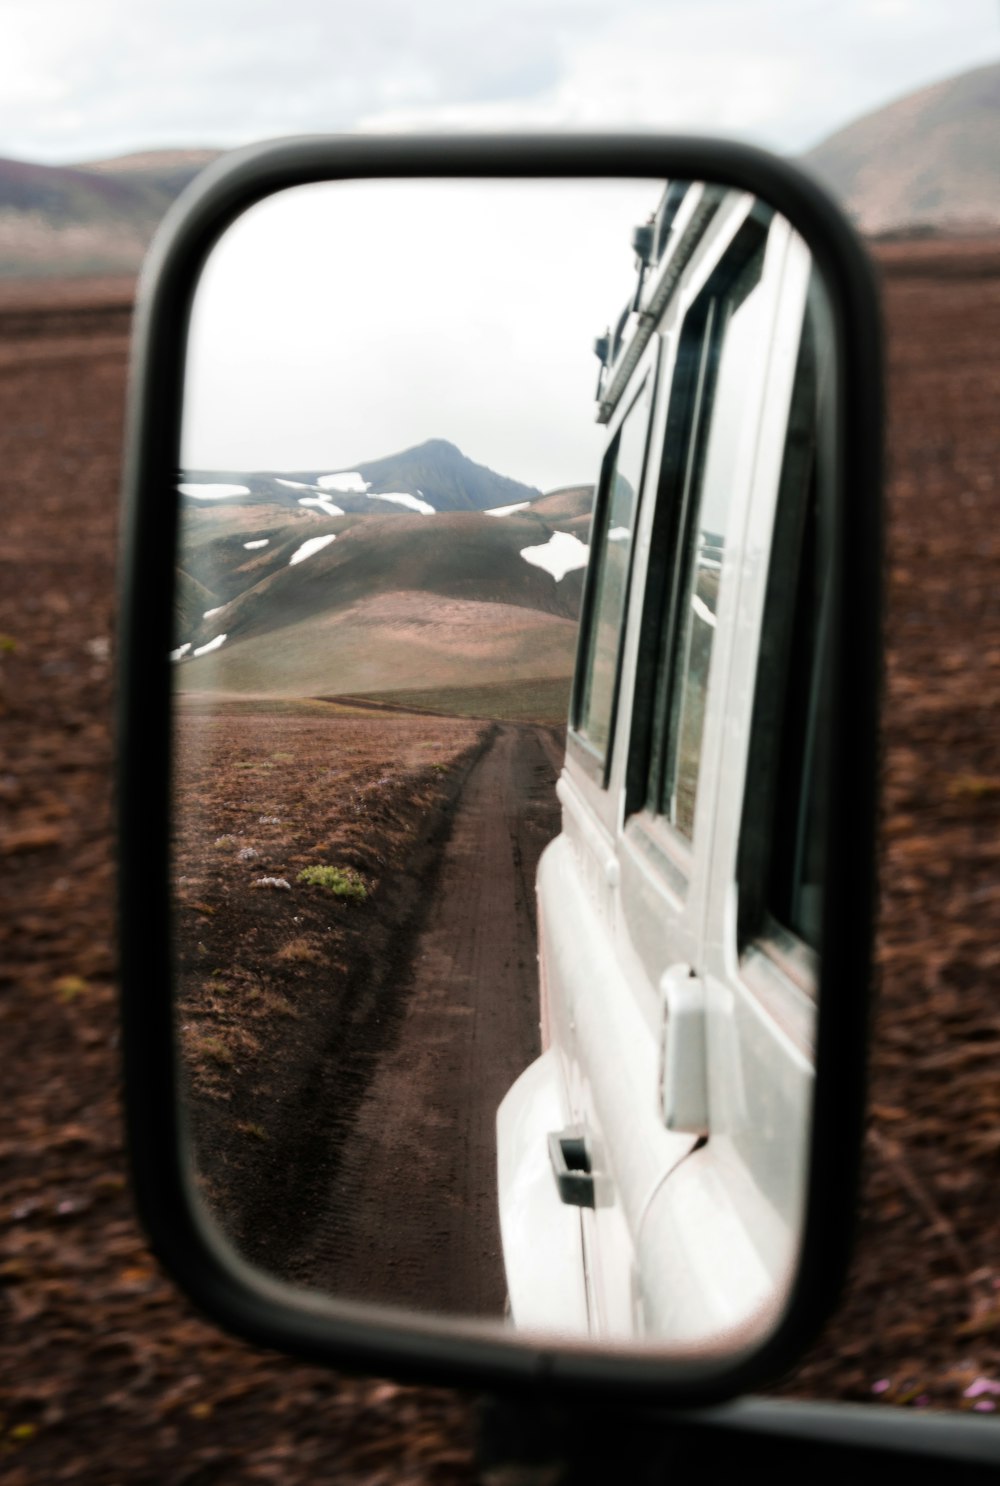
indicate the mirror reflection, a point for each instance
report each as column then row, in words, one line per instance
column 499, row 748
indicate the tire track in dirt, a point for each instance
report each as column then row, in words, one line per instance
column 410, row 1216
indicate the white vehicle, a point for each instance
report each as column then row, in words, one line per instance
column 652, row 1162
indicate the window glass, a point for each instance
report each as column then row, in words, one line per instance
column 612, row 548
column 731, row 354
column 781, row 841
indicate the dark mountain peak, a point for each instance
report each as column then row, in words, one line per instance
column 437, row 446
column 441, row 474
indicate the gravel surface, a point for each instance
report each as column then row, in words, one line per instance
column 105, row 1373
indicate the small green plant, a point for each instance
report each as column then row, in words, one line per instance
column 7, row 644
column 69, row 987
column 974, row 786
column 343, row 882
column 216, row 1049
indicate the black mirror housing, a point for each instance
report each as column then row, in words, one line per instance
column 405, row 1345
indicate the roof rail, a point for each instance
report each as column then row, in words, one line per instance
column 663, row 247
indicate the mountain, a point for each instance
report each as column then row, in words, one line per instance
column 445, row 477
column 433, row 474
column 383, row 604
column 95, row 218
column 929, row 160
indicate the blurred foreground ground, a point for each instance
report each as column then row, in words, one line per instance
column 105, row 1374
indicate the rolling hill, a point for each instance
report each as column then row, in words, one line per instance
column 448, row 608
column 96, row 218
column 928, row 160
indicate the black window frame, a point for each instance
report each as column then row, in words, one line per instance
column 597, row 763
column 685, row 444
column 793, row 639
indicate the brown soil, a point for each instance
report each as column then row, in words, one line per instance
column 920, row 1320
column 106, row 1374
column 334, row 1047
column 288, row 992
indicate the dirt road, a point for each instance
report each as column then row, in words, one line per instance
column 409, row 1216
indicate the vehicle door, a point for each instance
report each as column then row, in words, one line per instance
column 759, row 967
column 643, row 1015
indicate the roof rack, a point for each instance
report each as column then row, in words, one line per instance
column 663, row 247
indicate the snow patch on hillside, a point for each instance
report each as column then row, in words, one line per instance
column 702, row 610
column 252, row 546
column 313, row 545
column 213, row 492
column 348, row 482
column 560, row 555
column 401, row 498
column 521, row 505
column 212, row 645
column 323, row 503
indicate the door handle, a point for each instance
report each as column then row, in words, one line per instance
column 570, row 1158
column 683, row 1054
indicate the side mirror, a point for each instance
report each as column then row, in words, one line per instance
column 497, row 781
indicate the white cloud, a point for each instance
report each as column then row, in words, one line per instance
column 493, row 353
column 78, row 81
column 781, row 72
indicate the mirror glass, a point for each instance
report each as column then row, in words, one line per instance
column 501, row 614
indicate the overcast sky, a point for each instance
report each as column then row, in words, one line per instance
column 340, row 322
column 81, row 79
column 506, row 375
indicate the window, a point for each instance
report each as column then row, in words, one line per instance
column 781, row 841
column 708, row 428
column 611, row 548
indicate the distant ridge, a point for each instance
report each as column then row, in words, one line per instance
column 95, row 218
column 926, row 161
column 435, row 473
column 929, row 160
